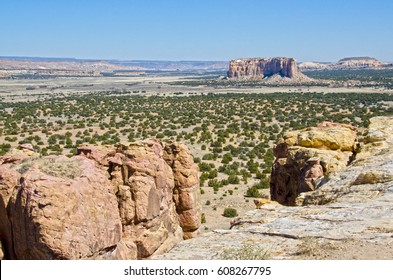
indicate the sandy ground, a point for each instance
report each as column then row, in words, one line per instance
column 348, row 250
column 16, row 90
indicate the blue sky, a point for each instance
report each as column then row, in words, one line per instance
column 197, row 30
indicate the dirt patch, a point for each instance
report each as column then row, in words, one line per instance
column 314, row 249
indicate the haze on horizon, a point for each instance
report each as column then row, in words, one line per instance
column 197, row 30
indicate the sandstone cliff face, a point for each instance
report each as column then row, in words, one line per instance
column 127, row 202
column 259, row 68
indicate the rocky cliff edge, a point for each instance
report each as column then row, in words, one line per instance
column 125, row 202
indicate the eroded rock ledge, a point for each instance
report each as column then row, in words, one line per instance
column 125, row 202
column 305, row 158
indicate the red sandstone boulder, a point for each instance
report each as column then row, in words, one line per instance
column 62, row 209
column 125, row 202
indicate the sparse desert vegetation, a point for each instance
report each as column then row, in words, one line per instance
column 230, row 135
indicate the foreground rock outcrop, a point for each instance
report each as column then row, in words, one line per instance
column 260, row 68
column 306, row 157
column 125, row 202
column 348, row 217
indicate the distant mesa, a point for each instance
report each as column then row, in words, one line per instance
column 347, row 63
column 269, row 69
column 360, row 62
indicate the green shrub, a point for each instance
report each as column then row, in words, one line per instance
column 212, row 174
column 233, row 179
column 214, row 183
column 263, row 184
column 4, row 148
column 209, row 156
column 253, row 192
column 230, row 212
column 203, row 218
column 204, row 167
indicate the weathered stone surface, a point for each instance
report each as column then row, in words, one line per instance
column 67, row 217
column 323, row 137
column 311, row 173
column 353, row 207
column 260, row 68
column 186, row 193
column 368, row 175
column 9, row 178
column 332, row 145
column 105, row 203
column 99, row 154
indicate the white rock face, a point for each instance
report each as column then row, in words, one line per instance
column 345, row 64
column 274, row 70
column 312, row 66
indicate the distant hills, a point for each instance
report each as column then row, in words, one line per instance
column 12, row 66
column 346, row 63
column 167, row 65
column 30, row 63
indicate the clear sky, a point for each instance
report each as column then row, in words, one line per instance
column 318, row 30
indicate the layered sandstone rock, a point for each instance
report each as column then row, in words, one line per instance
column 368, row 176
column 260, row 68
column 122, row 202
column 186, row 192
column 306, row 157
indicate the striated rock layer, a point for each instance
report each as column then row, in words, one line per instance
column 260, row 68
column 125, row 202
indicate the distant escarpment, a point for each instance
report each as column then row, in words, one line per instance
column 126, row 202
column 349, row 63
column 265, row 68
column 359, row 62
